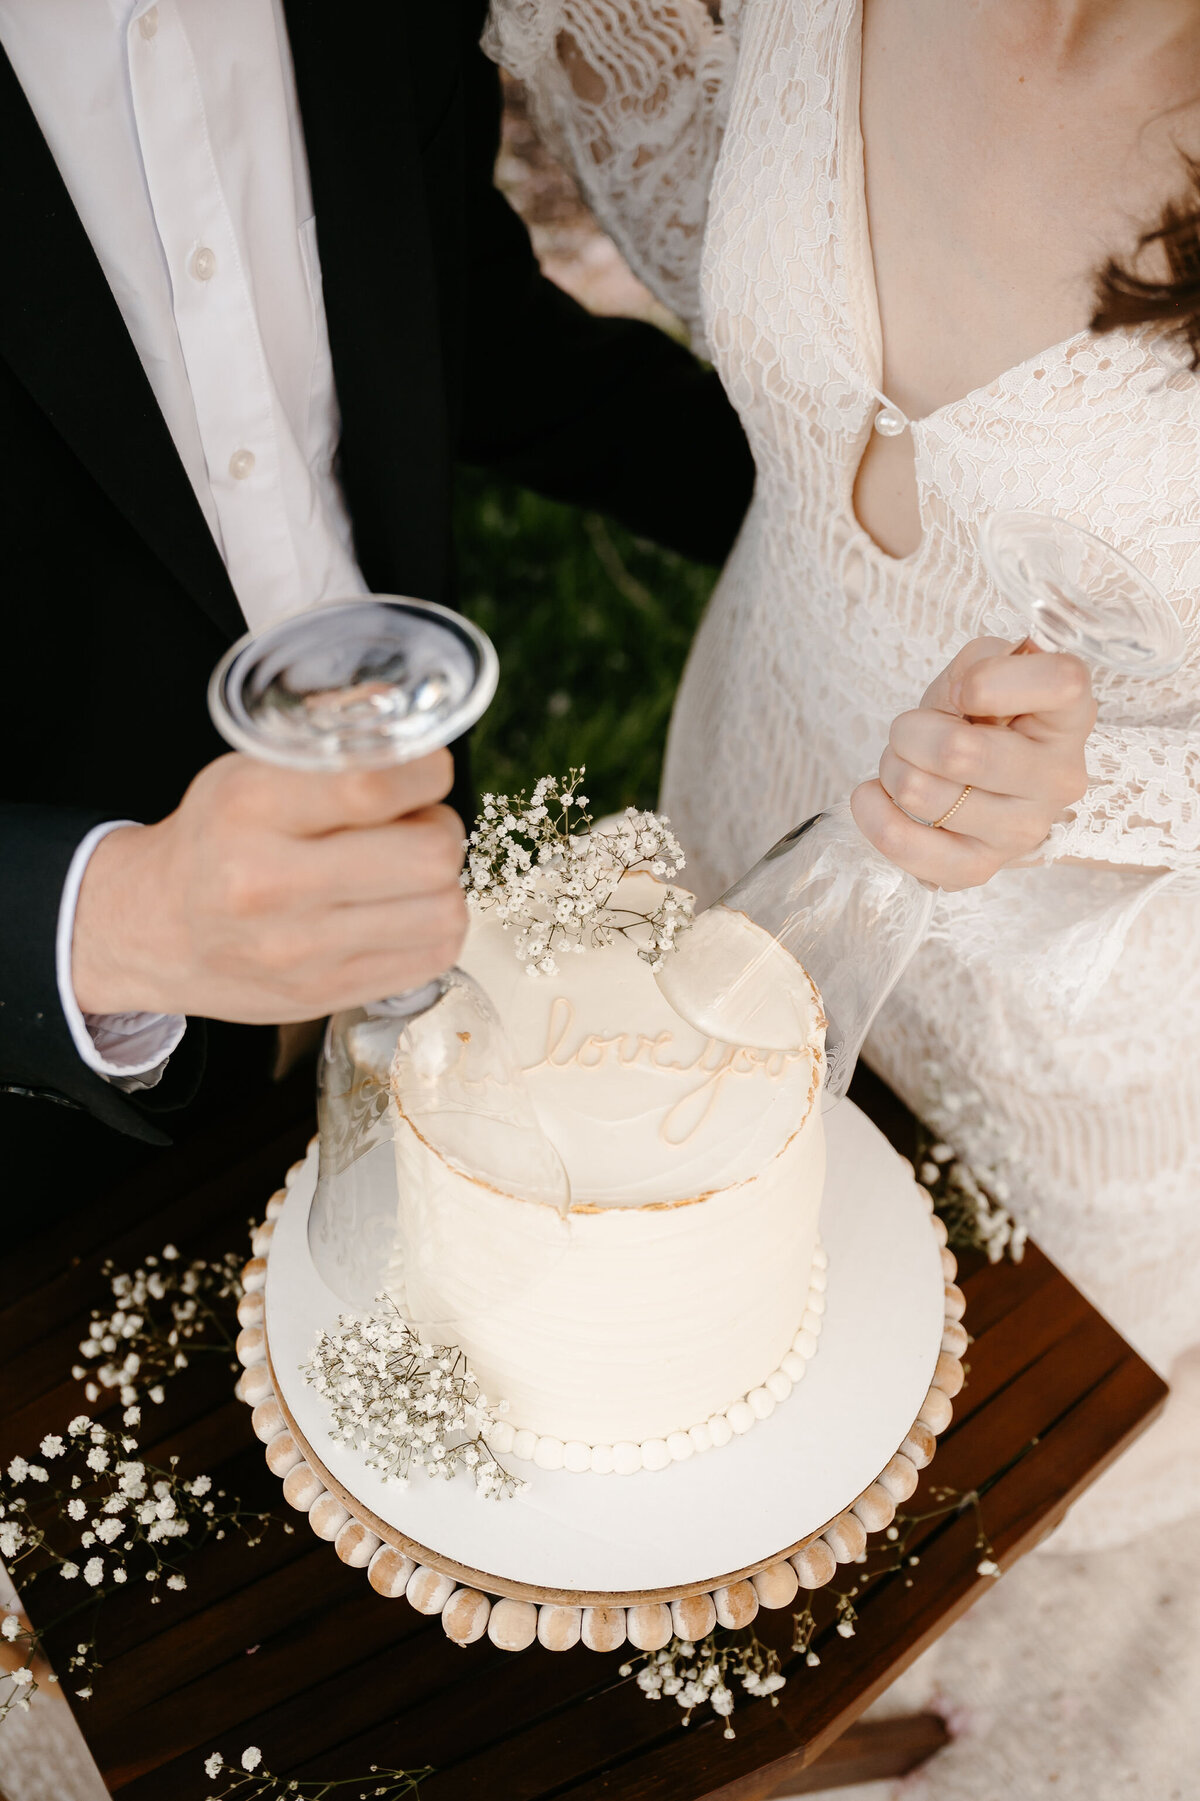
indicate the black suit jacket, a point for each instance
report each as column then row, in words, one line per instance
column 447, row 344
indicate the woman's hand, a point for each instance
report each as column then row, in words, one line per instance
column 1014, row 728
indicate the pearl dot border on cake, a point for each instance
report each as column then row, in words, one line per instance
column 626, row 1458
column 468, row 1614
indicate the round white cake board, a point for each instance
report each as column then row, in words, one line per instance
column 684, row 1527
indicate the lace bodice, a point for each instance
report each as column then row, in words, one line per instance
column 1051, row 1025
column 635, row 96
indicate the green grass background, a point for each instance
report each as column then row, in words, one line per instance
column 592, row 626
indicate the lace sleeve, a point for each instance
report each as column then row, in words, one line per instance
column 1060, row 928
column 631, row 96
column 1135, row 836
column 1143, row 803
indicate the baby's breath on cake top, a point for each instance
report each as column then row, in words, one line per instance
column 536, row 863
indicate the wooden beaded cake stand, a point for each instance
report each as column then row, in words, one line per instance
column 605, row 1559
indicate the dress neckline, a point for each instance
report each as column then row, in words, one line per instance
column 861, row 279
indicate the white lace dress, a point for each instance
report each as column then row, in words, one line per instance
column 1050, row 1027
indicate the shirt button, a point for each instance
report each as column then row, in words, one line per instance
column 148, row 23
column 240, row 464
column 204, row 263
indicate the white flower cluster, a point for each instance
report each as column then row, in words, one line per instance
column 703, row 1675
column 975, row 1219
column 162, row 1307
column 971, row 1180
column 404, row 1404
column 251, row 1758
column 252, row 1780
column 536, row 864
column 114, row 1504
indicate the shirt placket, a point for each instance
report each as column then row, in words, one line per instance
column 214, row 313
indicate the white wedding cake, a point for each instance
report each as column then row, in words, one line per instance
column 680, row 1297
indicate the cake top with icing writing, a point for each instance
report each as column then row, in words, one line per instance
column 642, row 1108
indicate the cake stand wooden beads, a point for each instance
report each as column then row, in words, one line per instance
column 512, row 1625
column 513, row 1610
column 389, row 1572
column 648, row 1626
column 356, row 1544
column 694, row 1617
column 814, row 1565
column 465, row 1616
column 604, row 1628
column 736, row 1604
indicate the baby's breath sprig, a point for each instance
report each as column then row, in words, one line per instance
column 975, row 1219
column 969, row 1176
column 894, row 1558
column 704, row 1674
column 165, row 1312
column 535, row 862
column 403, row 1403
column 114, row 1517
column 250, row 1780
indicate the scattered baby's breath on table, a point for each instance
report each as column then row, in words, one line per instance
column 91, row 1513
column 709, row 1674
column 250, row 1780
column 964, row 1160
column 889, row 1555
column 704, row 1675
column 164, row 1313
column 975, row 1219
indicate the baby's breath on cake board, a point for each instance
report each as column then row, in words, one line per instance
column 535, row 863
column 405, row 1404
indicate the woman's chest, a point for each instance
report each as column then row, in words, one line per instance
column 1000, row 174
column 1106, row 428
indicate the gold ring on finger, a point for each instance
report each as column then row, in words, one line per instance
column 935, row 824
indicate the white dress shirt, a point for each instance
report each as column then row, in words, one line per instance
column 176, row 129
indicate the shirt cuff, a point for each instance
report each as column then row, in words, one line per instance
column 130, row 1050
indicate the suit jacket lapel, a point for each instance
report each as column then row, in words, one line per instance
column 63, row 336
column 381, row 303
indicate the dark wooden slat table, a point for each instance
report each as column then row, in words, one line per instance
column 284, row 1647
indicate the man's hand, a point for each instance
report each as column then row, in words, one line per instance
column 275, row 894
column 1014, row 728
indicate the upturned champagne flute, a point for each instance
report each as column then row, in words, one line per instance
column 365, row 684
column 825, row 898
